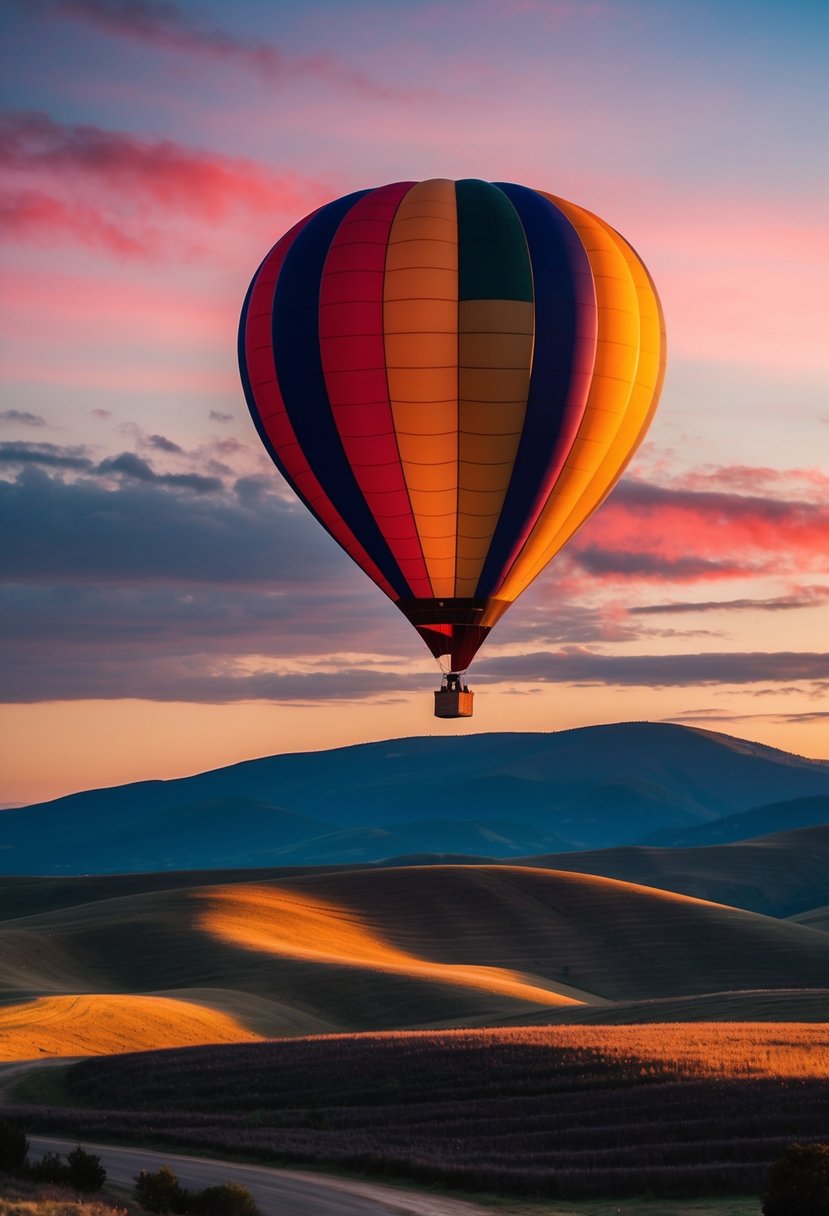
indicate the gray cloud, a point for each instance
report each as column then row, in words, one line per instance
column 779, row 603
column 22, row 418
column 579, row 666
column 198, row 677
column 142, row 530
column 162, row 444
column 127, row 464
column 597, row 560
column 120, row 584
column 51, row 455
column 217, row 416
column 702, row 715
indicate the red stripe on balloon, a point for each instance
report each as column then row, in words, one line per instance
column 273, row 415
column 354, row 365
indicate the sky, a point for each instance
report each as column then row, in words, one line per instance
column 168, row 606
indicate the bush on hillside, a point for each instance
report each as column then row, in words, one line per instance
column 81, row 1170
column 84, row 1171
column 13, row 1146
column 160, row 1192
column 229, row 1199
column 798, row 1181
column 50, row 1168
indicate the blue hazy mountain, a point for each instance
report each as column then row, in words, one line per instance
column 758, row 821
column 496, row 795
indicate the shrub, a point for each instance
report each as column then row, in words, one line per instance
column 13, row 1146
column 229, row 1199
column 160, row 1192
column 798, row 1181
column 50, row 1168
column 84, row 1171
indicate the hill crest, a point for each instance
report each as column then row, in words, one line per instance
column 505, row 795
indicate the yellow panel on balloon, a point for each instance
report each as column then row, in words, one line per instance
column 614, row 375
column 495, row 343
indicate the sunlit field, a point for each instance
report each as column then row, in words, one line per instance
column 99, row 1024
column 566, row 1112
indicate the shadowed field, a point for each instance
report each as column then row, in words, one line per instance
column 555, row 1112
column 377, row 949
column 817, row 918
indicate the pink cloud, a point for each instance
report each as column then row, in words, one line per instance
column 650, row 532
column 107, row 188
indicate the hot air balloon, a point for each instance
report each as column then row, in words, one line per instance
column 452, row 376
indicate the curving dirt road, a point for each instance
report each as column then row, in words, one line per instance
column 278, row 1192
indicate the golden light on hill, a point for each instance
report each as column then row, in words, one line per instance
column 293, row 925
column 101, row 1024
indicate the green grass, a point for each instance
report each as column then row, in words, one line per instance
column 47, row 1086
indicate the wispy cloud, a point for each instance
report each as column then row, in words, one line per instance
column 577, row 665
column 166, row 25
column 809, row 598
column 22, row 418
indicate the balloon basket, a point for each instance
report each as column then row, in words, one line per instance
column 453, row 699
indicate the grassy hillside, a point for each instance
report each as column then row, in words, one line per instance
column 590, row 788
column 778, row 875
column 383, row 949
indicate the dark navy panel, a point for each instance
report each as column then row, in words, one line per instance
column 492, row 251
column 565, row 325
column 249, row 395
column 302, row 383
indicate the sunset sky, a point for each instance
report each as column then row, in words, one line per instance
column 169, row 607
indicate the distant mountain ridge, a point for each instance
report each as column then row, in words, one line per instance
column 500, row 795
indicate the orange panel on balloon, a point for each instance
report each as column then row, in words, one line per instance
column 420, row 322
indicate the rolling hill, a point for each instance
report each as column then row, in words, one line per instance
column 762, row 820
column 779, row 875
column 347, row 950
column 502, row 795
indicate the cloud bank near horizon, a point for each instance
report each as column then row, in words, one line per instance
column 123, row 578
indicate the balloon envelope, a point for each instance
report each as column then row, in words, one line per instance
column 452, row 376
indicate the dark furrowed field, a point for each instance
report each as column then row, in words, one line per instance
column 692, row 1111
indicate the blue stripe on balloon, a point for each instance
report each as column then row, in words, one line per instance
column 296, row 346
column 563, row 284
column 250, row 396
